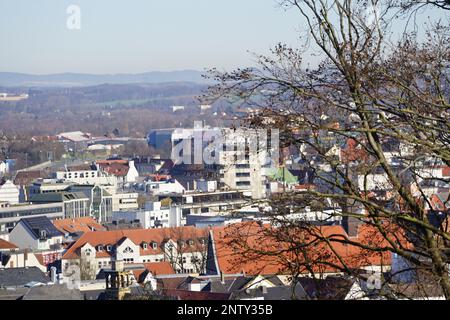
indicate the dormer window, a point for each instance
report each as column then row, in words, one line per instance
column 202, row 241
column 100, row 248
column 154, row 245
column 191, row 242
column 144, row 245
column 43, row 234
column 182, row 243
column 109, row 248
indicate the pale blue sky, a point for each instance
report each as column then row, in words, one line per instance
column 139, row 35
column 119, row 36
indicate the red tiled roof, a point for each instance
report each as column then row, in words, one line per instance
column 353, row 152
column 234, row 256
column 108, row 162
column 84, row 224
column 159, row 268
column 137, row 236
column 437, row 203
column 446, row 171
column 7, row 245
column 23, row 178
column 115, row 168
column 40, row 258
column 155, row 268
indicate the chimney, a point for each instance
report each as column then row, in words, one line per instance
column 53, row 274
column 118, row 264
column 351, row 225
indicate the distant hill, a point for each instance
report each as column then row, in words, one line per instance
column 11, row 79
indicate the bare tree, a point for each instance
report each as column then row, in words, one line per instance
column 385, row 103
column 187, row 244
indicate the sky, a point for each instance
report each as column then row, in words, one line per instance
column 134, row 36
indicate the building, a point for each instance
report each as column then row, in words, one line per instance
column 207, row 202
column 23, row 277
column 6, row 166
column 75, row 141
column 165, row 186
column 24, row 178
column 75, row 204
column 52, row 292
column 11, row 215
column 224, row 257
column 6, row 246
column 184, row 248
column 155, row 215
column 37, row 233
column 118, row 281
column 160, row 138
column 9, row 192
column 148, row 165
column 125, row 201
column 13, row 97
column 89, row 177
column 73, row 228
column 100, row 201
column 124, row 170
column 13, row 257
column 236, row 164
column 43, row 186
column 177, row 108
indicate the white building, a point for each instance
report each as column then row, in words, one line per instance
column 202, row 185
column 37, row 233
column 164, row 187
column 154, row 216
column 177, row 108
column 184, row 248
column 88, row 177
column 242, row 156
column 125, row 201
column 9, row 192
column 4, row 167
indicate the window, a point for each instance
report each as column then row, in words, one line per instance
column 100, row 248
column 242, row 174
column 88, row 252
column 191, row 242
column 155, row 245
column 144, row 245
column 108, row 248
column 128, row 250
